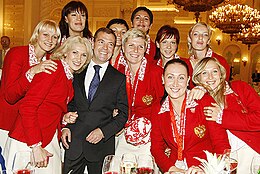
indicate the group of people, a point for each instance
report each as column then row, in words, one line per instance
column 119, row 92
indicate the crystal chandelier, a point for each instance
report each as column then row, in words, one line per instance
column 231, row 18
column 250, row 34
column 196, row 6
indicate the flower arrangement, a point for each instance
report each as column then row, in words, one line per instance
column 213, row 164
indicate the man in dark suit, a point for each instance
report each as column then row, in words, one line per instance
column 92, row 137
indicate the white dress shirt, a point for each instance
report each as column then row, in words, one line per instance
column 91, row 72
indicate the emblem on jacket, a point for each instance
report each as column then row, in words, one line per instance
column 200, row 130
column 147, row 99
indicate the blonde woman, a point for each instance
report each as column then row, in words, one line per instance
column 20, row 65
column 236, row 109
column 38, row 124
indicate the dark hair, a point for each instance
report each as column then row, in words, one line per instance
column 170, row 62
column 166, row 32
column 105, row 30
column 67, row 9
column 6, row 37
column 142, row 9
column 117, row 21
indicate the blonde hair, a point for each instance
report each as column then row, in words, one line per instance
column 43, row 26
column 135, row 33
column 68, row 45
column 191, row 50
column 218, row 92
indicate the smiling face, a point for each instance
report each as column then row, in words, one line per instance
column 119, row 30
column 200, row 37
column 134, row 50
column 46, row 40
column 76, row 22
column 142, row 21
column 168, row 47
column 211, row 75
column 76, row 56
column 103, row 47
column 176, row 80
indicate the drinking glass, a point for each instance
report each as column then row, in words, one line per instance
column 255, row 165
column 231, row 162
column 145, row 164
column 111, row 165
column 128, row 164
column 23, row 163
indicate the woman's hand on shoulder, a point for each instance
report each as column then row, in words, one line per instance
column 45, row 66
column 197, row 93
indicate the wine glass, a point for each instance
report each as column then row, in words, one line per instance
column 231, row 162
column 128, row 164
column 145, row 164
column 255, row 165
column 111, row 165
column 23, row 163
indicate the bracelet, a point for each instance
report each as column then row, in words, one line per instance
column 36, row 145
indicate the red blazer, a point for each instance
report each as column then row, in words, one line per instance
column 42, row 107
column 245, row 126
column 150, row 86
column 14, row 84
column 214, row 140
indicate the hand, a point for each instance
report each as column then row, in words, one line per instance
column 66, row 134
column 45, row 66
column 212, row 112
column 196, row 93
column 174, row 169
column 70, row 117
column 115, row 112
column 194, row 170
column 95, row 136
column 41, row 156
column 119, row 133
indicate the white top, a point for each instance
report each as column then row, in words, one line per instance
column 91, row 72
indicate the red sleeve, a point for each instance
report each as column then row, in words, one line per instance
column 224, row 63
column 249, row 121
column 157, row 141
column 35, row 96
column 157, row 81
column 14, row 81
column 217, row 133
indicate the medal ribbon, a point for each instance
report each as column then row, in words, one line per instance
column 179, row 135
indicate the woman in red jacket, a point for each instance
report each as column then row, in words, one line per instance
column 180, row 124
column 199, row 46
column 20, row 65
column 144, row 87
column 37, row 127
column 236, row 109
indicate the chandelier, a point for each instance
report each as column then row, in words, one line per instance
column 250, row 34
column 196, row 6
column 231, row 18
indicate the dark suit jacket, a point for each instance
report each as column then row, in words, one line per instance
column 110, row 94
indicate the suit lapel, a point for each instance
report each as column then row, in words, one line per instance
column 81, row 82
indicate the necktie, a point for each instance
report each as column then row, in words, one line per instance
column 94, row 83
